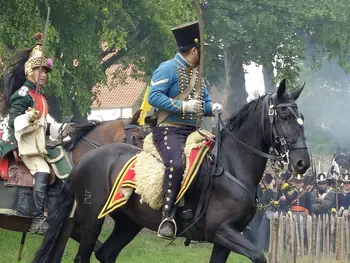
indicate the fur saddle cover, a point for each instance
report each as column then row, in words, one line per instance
column 149, row 168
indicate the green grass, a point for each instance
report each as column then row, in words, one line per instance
column 145, row 248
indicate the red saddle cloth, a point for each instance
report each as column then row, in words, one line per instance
column 4, row 164
column 126, row 178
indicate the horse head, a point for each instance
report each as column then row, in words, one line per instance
column 287, row 127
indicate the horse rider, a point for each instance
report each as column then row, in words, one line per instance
column 173, row 94
column 27, row 123
column 322, row 197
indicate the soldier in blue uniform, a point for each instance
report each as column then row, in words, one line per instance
column 322, row 197
column 301, row 197
column 344, row 196
column 179, row 102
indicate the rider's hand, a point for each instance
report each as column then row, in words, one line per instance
column 216, row 106
column 191, row 106
column 32, row 114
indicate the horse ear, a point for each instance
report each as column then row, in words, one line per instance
column 281, row 88
column 295, row 94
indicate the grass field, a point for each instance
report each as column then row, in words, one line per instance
column 145, row 248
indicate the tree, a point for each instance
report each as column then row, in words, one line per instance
column 136, row 32
column 274, row 34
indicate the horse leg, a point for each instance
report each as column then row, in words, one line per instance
column 90, row 229
column 229, row 238
column 124, row 231
column 63, row 240
column 219, row 253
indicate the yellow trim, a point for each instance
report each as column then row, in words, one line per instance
column 109, row 206
column 173, row 103
column 284, row 186
column 193, row 170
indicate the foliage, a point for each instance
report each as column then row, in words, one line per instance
column 277, row 31
column 138, row 30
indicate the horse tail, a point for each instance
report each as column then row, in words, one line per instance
column 57, row 220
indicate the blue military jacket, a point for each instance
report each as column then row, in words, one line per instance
column 344, row 200
column 165, row 85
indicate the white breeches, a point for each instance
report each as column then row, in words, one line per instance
column 36, row 164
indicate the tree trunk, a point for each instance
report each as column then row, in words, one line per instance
column 235, row 92
column 268, row 78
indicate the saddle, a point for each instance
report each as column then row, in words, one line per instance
column 133, row 134
column 144, row 173
column 14, row 172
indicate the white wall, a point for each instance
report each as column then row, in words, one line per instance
column 110, row 114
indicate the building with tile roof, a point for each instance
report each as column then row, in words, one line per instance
column 120, row 98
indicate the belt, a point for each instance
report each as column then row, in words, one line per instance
column 297, row 208
column 168, row 124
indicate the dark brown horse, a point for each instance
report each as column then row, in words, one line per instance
column 85, row 138
column 227, row 182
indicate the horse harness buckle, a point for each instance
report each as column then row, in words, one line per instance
column 285, row 157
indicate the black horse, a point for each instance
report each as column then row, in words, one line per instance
column 268, row 127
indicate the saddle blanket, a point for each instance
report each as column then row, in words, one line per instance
column 17, row 174
column 144, row 173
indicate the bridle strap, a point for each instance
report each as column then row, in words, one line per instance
column 270, row 108
column 262, row 154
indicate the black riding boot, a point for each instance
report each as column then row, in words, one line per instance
column 167, row 228
column 39, row 225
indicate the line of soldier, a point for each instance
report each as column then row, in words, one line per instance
column 299, row 195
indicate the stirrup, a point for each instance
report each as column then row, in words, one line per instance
column 168, row 219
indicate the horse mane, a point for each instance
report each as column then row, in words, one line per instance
column 239, row 117
column 135, row 117
column 79, row 131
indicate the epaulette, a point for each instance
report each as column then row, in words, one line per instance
column 23, row 91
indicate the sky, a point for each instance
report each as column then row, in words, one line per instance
column 254, row 80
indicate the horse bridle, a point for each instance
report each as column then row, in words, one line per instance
column 279, row 145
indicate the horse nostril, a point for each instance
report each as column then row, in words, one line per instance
column 300, row 164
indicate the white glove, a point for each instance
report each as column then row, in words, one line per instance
column 218, row 106
column 191, row 106
column 32, row 115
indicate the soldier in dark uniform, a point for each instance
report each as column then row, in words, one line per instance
column 282, row 203
column 344, row 196
column 260, row 225
column 177, row 118
column 300, row 197
column 322, row 198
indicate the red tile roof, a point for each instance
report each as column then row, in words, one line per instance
column 122, row 90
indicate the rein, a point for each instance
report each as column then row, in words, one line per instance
column 92, row 142
column 277, row 141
